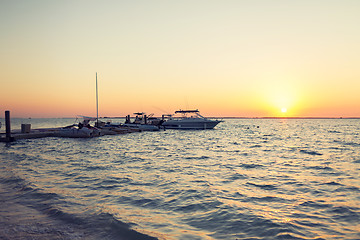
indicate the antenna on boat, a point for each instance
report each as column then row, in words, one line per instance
column 97, row 103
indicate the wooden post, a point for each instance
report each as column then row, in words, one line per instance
column 8, row 127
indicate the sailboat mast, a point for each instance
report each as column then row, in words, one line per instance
column 97, row 103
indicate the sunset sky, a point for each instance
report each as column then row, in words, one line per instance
column 258, row 58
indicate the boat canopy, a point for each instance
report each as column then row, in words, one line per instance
column 139, row 113
column 187, row 111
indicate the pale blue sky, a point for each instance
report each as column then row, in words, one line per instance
column 243, row 58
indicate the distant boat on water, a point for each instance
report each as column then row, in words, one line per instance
column 189, row 119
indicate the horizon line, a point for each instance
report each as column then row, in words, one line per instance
column 219, row 117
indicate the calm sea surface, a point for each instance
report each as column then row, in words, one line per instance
column 246, row 179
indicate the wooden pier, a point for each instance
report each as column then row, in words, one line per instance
column 27, row 133
column 24, row 133
column 18, row 135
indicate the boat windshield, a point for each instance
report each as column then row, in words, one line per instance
column 188, row 114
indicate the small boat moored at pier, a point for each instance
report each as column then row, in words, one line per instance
column 142, row 122
column 81, row 130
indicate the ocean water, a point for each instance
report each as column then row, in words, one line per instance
column 245, row 179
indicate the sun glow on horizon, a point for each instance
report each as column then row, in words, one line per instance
column 281, row 97
column 240, row 59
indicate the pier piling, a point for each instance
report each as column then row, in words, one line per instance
column 8, row 137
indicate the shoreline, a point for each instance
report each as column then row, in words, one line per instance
column 22, row 222
column 18, row 221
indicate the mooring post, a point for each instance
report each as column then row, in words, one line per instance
column 8, row 127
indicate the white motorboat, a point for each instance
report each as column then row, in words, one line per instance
column 190, row 119
column 141, row 122
column 76, row 132
column 81, row 130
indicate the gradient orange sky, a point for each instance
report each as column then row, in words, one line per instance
column 258, row 58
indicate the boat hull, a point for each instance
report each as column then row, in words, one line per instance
column 190, row 124
column 142, row 127
column 77, row 133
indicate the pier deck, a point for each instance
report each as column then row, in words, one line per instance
column 33, row 134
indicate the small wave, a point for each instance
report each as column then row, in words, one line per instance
column 353, row 144
column 102, row 226
column 309, row 223
column 338, row 148
column 349, row 189
column 268, row 135
column 197, row 158
column 317, row 204
column 256, row 146
column 11, row 180
column 346, row 214
column 59, row 214
column 289, row 236
column 45, row 196
column 244, row 165
column 147, row 203
column 119, row 230
column 266, row 199
column 332, row 183
column 244, row 226
column 94, row 168
column 27, row 191
column 263, row 186
column 334, row 131
column 326, row 168
column 237, row 176
column 107, row 183
column 310, row 152
column 141, row 183
column 106, row 187
column 191, row 208
column 64, row 225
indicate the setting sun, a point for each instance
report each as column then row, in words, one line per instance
column 281, row 99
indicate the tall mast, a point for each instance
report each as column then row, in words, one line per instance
column 97, row 103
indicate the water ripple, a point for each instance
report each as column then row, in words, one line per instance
column 246, row 179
